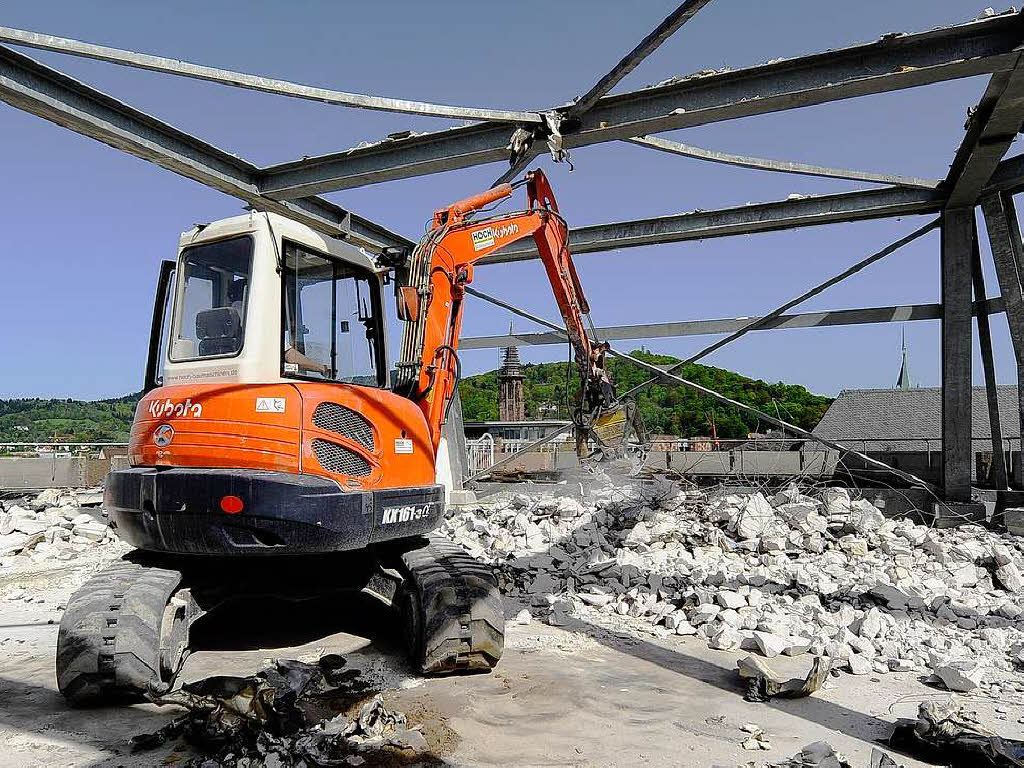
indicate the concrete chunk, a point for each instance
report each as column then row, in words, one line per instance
column 729, row 599
column 769, row 644
column 961, row 676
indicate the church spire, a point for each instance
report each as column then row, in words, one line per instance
column 903, row 382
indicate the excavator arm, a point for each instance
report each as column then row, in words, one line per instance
column 430, row 298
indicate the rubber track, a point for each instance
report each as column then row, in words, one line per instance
column 461, row 618
column 108, row 646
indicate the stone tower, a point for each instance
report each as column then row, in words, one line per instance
column 511, row 403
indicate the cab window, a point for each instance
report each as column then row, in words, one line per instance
column 211, row 299
column 330, row 320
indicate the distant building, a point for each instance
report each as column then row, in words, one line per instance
column 661, row 442
column 513, row 430
column 511, row 400
column 702, row 443
column 903, row 427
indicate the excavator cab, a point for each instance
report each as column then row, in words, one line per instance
column 239, row 284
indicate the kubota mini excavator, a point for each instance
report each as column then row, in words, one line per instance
column 269, row 440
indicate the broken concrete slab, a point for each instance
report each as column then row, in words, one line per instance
column 960, row 676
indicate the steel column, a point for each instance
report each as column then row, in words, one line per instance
column 957, row 247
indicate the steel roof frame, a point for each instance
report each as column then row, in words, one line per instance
column 993, row 45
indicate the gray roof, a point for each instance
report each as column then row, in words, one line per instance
column 903, row 419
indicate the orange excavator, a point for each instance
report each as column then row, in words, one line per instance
column 274, row 455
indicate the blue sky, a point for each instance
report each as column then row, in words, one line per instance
column 85, row 226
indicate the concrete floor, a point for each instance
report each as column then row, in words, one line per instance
column 561, row 696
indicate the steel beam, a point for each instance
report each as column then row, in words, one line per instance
column 1008, row 176
column 254, row 82
column 686, row 11
column 824, row 319
column 998, row 474
column 1007, row 253
column 779, row 166
column 35, row 88
column 957, row 246
column 991, row 128
column 895, row 62
column 806, row 211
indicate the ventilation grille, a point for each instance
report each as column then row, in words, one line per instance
column 345, row 422
column 339, row 459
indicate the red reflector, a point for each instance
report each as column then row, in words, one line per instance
column 232, row 505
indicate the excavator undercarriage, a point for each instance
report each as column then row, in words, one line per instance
column 126, row 632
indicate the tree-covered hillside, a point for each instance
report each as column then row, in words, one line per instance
column 667, row 409
column 35, row 420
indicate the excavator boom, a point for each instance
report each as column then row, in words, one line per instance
column 432, row 294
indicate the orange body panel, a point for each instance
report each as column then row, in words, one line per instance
column 216, row 425
column 393, row 418
column 219, row 426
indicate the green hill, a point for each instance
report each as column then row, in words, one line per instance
column 667, row 409
column 34, row 420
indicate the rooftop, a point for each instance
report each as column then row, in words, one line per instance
column 904, row 418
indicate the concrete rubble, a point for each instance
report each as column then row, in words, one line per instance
column 55, row 525
column 788, row 573
column 805, row 572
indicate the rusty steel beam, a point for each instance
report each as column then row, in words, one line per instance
column 780, row 166
column 255, row 82
column 892, row 63
column 39, row 90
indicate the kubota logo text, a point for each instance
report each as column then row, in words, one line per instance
column 485, row 238
column 164, row 409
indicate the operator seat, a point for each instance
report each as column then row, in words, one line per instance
column 219, row 331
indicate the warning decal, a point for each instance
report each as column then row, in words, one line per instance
column 270, row 405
